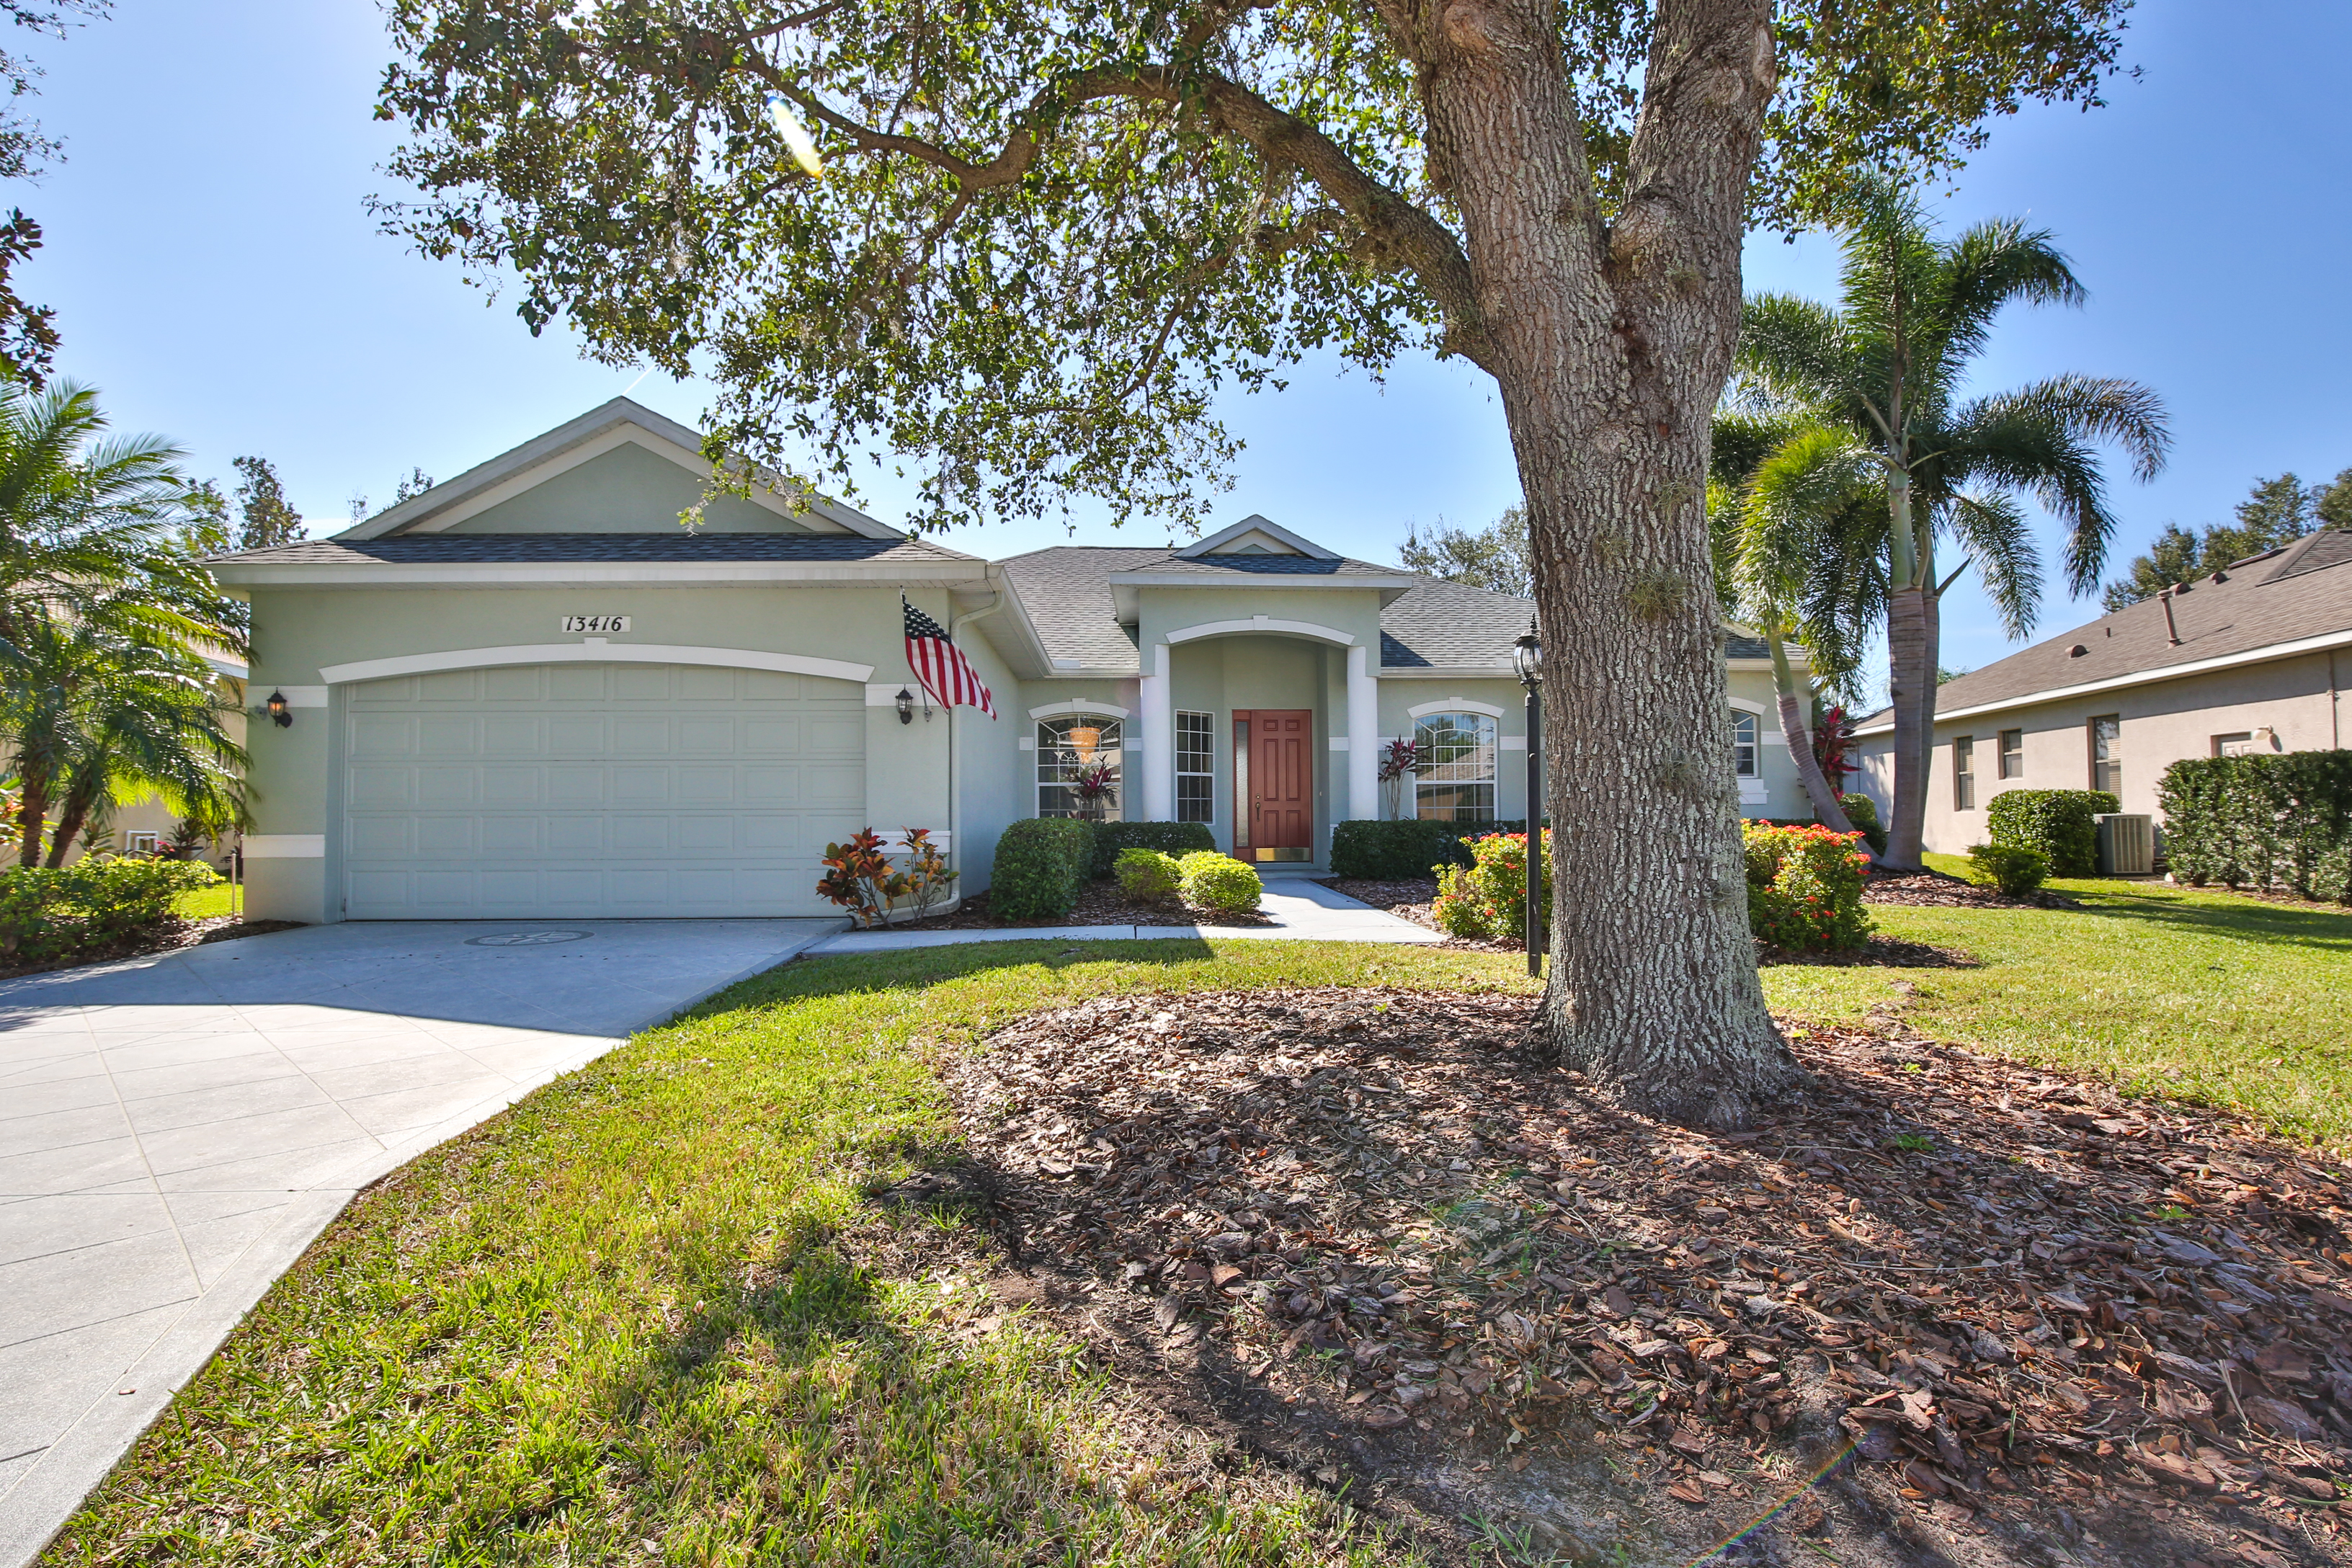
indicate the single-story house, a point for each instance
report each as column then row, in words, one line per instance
column 2254, row 658
column 530, row 692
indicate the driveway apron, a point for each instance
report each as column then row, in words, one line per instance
column 175, row 1129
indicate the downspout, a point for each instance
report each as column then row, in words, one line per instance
column 955, row 761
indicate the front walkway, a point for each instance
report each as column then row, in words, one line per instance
column 175, row 1129
column 1299, row 908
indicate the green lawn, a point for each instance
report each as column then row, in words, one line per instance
column 220, row 899
column 2198, row 994
column 619, row 1324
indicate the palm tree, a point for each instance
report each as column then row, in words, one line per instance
column 93, row 527
column 1881, row 376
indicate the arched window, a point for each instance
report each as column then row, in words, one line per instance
column 1743, row 743
column 1456, row 781
column 1073, row 754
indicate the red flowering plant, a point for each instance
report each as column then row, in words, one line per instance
column 1400, row 760
column 1833, row 745
column 1488, row 898
column 1804, row 887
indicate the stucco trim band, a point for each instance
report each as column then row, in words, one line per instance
column 1454, row 705
column 1074, row 709
column 593, row 653
column 1262, row 624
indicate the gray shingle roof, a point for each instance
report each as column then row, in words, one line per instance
column 1066, row 592
column 2302, row 591
column 1450, row 626
column 447, row 548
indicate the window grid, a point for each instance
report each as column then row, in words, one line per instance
column 1456, row 781
column 1743, row 744
column 1964, row 773
column 1196, row 763
column 1067, row 748
column 2012, row 753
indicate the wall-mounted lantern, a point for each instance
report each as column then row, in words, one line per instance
column 276, row 709
column 906, row 706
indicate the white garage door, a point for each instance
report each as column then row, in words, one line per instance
column 582, row 790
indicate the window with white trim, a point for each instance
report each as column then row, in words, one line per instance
column 1455, row 779
column 1073, row 754
column 1196, row 766
column 1743, row 744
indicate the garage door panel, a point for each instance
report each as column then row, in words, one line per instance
column 583, row 790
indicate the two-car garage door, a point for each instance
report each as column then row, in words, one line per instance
column 585, row 790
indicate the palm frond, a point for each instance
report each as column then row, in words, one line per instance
column 1993, row 529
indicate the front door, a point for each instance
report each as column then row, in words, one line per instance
column 1281, row 784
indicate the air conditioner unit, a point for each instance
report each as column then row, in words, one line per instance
column 2127, row 845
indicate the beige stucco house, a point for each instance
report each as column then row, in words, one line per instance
column 2254, row 658
column 529, row 692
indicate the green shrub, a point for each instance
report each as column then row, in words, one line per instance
column 1042, row 865
column 2014, row 872
column 2263, row 819
column 1394, row 851
column 1489, row 896
column 1863, row 811
column 2057, row 822
column 1112, row 839
column 1147, row 875
column 1804, row 888
column 51, row 914
column 1213, row 881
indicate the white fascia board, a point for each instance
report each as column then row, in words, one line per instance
column 1447, row 672
column 1249, row 525
column 595, row 574
column 598, row 431
column 1034, row 663
column 1256, row 580
column 2319, row 643
column 1763, row 665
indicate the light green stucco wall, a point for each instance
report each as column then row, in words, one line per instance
column 626, row 491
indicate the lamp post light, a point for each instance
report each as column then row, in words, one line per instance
column 1527, row 658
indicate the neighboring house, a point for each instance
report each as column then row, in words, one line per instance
column 2254, row 658
column 530, row 692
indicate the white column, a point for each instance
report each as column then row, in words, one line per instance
column 1154, row 713
column 1363, row 737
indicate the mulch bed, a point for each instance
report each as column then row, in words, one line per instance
column 1935, row 889
column 1100, row 904
column 1367, row 1235
column 168, row 937
column 1410, row 901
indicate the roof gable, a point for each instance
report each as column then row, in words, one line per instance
column 618, row 469
column 1255, row 535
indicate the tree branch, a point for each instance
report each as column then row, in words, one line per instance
column 1710, row 77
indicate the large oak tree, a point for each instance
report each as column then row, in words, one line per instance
column 1051, row 231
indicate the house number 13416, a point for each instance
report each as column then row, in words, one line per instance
column 595, row 623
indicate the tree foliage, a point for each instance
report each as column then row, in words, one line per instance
column 267, row 519
column 1049, row 235
column 28, row 333
column 2278, row 512
column 1493, row 557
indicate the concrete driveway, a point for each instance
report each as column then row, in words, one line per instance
column 175, row 1130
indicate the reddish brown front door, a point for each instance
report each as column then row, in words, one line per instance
column 1281, row 781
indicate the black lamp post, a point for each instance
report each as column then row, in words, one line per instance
column 1527, row 658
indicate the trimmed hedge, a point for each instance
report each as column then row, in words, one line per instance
column 50, row 914
column 2267, row 818
column 1863, row 811
column 1168, row 837
column 1147, row 875
column 2014, row 873
column 2057, row 822
column 1042, row 864
column 1394, row 851
column 1220, row 882
column 1804, row 888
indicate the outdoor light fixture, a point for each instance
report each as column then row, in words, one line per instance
column 906, row 706
column 276, row 708
column 1527, row 658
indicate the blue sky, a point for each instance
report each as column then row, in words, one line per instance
column 218, row 278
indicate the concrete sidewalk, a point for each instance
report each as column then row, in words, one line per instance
column 175, row 1130
column 1299, row 908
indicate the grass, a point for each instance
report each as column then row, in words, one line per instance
column 220, row 899
column 621, row 1324
column 2194, row 993
column 627, row 1321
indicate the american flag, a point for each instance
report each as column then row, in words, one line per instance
column 945, row 675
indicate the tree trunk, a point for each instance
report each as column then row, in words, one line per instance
column 1827, row 807
column 1909, row 665
column 1610, row 347
column 69, row 824
column 32, row 813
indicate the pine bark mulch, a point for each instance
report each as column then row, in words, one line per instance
column 1368, row 1236
column 1934, row 889
column 1099, row 904
column 169, row 937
